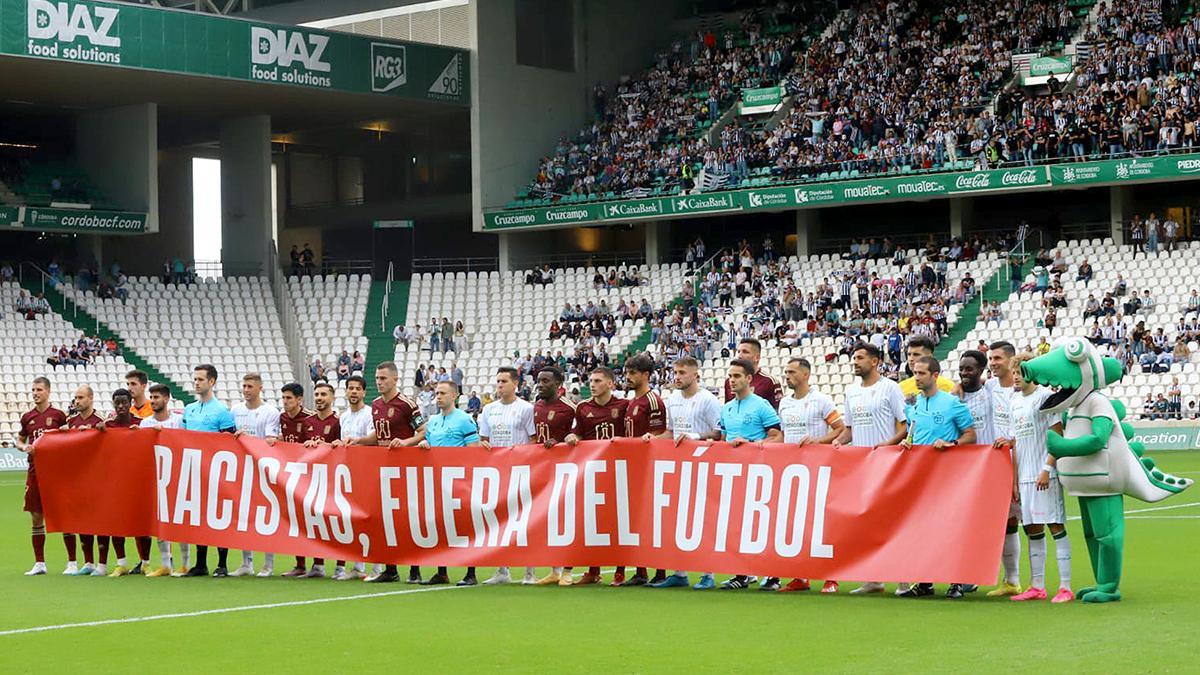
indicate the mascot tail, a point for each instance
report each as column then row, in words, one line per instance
column 1147, row 482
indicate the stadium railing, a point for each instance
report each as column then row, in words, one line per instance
column 287, row 319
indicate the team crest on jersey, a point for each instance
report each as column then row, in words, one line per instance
column 938, row 418
column 549, row 415
column 615, row 413
column 632, row 412
column 391, row 411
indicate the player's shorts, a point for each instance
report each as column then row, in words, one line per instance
column 1042, row 507
column 33, row 496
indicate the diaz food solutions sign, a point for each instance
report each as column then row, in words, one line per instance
column 193, row 43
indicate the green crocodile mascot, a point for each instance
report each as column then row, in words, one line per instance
column 1097, row 462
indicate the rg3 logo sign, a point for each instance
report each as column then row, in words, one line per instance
column 388, row 67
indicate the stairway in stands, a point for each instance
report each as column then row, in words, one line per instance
column 996, row 288
column 380, row 346
column 86, row 322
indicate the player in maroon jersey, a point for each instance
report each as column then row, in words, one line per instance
column 123, row 418
column 599, row 418
column 553, row 421
column 293, row 420
column 397, row 420
column 645, row 418
column 84, row 416
column 322, row 427
column 761, row 383
column 44, row 417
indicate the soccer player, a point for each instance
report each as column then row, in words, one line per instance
column 162, row 417
column 322, row 427
column 692, row 412
column 504, row 423
column 553, row 422
column 135, row 382
column 1000, row 385
column 123, row 418
column 449, row 427
column 601, row 417
column 941, row 420
column 764, row 386
column 42, row 418
column 808, row 416
column 874, row 414
column 1038, row 486
column 207, row 413
column 84, row 416
column 257, row 418
column 748, row 418
column 292, row 422
column 645, row 417
column 978, row 399
column 919, row 347
column 355, row 422
column 396, row 419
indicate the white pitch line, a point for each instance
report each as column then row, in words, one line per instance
column 228, row 610
column 223, row 610
column 1163, row 518
column 1153, row 508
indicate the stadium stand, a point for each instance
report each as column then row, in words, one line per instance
column 504, row 315
column 231, row 323
column 330, row 311
column 1169, row 277
column 24, row 347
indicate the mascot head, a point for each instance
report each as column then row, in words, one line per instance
column 1074, row 368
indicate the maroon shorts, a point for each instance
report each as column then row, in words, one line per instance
column 33, row 496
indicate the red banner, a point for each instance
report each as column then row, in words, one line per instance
column 781, row 510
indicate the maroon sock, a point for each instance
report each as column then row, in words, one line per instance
column 69, row 543
column 38, row 537
column 595, row 571
column 341, row 563
column 88, row 542
column 118, row 544
column 102, row 549
column 143, row 549
column 318, row 561
column 300, row 562
column 641, row 572
column 620, row 569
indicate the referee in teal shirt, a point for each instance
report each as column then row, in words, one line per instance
column 449, row 428
column 748, row 418
column 941, row 420
column 207, row 414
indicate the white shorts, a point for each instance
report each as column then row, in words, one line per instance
column 1042, row 507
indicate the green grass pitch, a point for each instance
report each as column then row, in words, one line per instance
column 598, row 629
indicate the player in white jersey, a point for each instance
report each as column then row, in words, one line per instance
column 162, row 417
column 693, row 412
column 505, row 422
column 356, row 422
column 255, row 418
column 1037, row 482
column 874, row 414
column 1000, row 355
column 978, row 399
column 808, row 416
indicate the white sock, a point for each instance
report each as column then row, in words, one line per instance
column 121, row 562
column 185, row 551
column 1037, row 560
column 557, row 570
column 531, row 571
column 164, row 553
column 681, row 574
column 1012, row 557
column 248, row 559
column 268, row 561
column 1062, row 553
column 360, row 567
column 377, row 568
column 502, row 571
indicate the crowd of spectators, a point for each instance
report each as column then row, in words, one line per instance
column 30, row 307
column 344, row 366
column 83, row 352
column 651, row 126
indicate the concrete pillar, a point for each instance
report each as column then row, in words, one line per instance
column 118, row 149
column 1119, row 204
column 658, row 242
column 503, row 254
column 807, row 222
column 245, row 194
column 962, row 215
